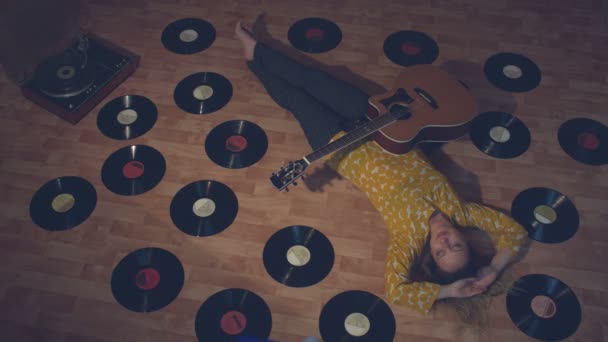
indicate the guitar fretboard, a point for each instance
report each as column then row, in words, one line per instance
column 353, row 136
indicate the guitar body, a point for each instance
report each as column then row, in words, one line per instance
column 438, row 108
column 426, row 104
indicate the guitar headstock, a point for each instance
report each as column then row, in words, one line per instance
column 288, row 174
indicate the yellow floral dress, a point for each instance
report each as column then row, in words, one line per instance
column 406, row 190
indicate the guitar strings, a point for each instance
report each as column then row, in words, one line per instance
column 329, row 148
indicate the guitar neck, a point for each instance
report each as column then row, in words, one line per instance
column 352, row 137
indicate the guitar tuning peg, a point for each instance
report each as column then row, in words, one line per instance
column 302, row 177
column 286, row 189
column 295, row 183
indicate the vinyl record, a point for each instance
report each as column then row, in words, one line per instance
column 512, row 72
column 203, row 93
column 585, row 140
column 188, row 36
column 133, row 170
column 236, row 144
column 63, row 203
column 314, row 35
column 547, row 215
column 500, row 135
column 298, row 256
column 204, row 208
column 231, row 313
column 127, row 117
column 357, row 316
column 64, row 75
column 147, row 279
column 543, row 307
column 410, row 48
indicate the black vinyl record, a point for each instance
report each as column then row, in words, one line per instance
column 133, row 170
column 187, row 36
column 63, row 203
column 314, row 35
column 500, row 135
column 64, row 75
column 585, row 140
column 204, row 208
column 298, row 256
column 127, row 117
column 543, row 307
column 512, row 72
column 357, row 316
column 233, row 313
column 547, row 215
column 203, row 93
column 236, row 144
column 410, row 48
column 147, row 279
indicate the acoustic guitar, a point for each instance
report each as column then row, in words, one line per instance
column 425, row 104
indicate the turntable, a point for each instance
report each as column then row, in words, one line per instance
column 72, row 83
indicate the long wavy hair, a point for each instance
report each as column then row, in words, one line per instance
column 471, row 310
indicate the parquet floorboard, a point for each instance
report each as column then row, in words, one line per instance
column 56, row 286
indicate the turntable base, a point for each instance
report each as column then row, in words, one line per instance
column 72, row 83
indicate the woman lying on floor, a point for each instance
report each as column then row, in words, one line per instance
column 430, row 253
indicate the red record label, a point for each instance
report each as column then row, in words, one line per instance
column 236, row 143
column 233, row 322
column 588, row 141
column 133, row 169
column 147, row 278
column 410, row 48
column 315, row 34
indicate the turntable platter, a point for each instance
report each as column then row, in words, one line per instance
column 64, row 75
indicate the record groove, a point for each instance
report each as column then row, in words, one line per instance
column 63, row 203
column 314, row 35
column 236, row 144
column 204, row 208
column 584, row 140
column 298, row 256
column 147, row 279
column 357, row 316
column 500, row 135
column 408, row 48
column 203, row 93
column 543, row 307
column 127, row 117
column 547, row 215
column 231, row 313
column 512, row 72
column 188, row 36
column 133, row 170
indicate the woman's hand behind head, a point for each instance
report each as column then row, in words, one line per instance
column 486, row 276
column 462, row 288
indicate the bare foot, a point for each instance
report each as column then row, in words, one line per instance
column 246, row 37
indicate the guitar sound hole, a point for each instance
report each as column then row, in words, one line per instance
column 400, row 111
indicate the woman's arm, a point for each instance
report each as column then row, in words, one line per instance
column 502, row 258
column 418, row 296
column 488, row 274
column 462, row 288
column 507, row 234
column 504, row 230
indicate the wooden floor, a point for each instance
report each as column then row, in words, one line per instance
column 56, row 286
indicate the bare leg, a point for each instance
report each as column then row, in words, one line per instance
column 246, row 39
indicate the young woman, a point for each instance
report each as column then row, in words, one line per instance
column 428, row 258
